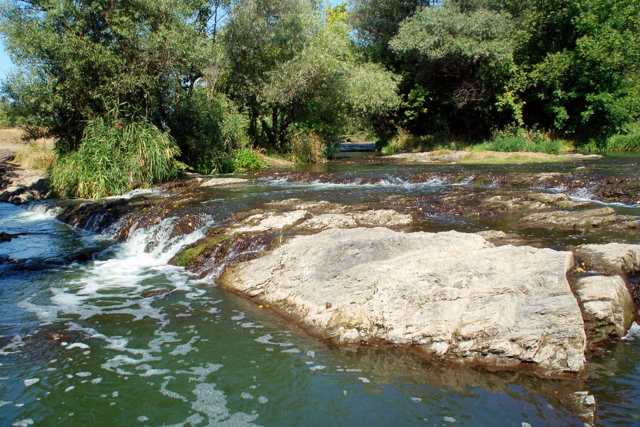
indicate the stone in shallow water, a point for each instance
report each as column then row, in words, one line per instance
column 271, row 221
column 611, row 258
column 607, row 305
column 452, row 295
column 578, row 219
column 217, row 182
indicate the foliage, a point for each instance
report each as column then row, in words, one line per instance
column 314, row 80
column 308, row 147
column 208, row 128
column 458, row 61
column 89, row 58
column 582, row 65
column 247, row 160
column 114, row 158
column 521, row 140
column 404, row 142
column 377, row 22
column 627, row 141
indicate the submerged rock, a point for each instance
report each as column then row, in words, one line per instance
column 608, row 308
column 451, row 295
column 584, row 403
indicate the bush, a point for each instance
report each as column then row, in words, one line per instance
column 308, row 147
column 628, row 141
column 516, row 140
column 405, row 141
column 247, row 160
column 208, row 129
column 625, row 142
column 114, row 158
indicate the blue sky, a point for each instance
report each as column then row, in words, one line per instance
column 6, row 66
column 5, row 63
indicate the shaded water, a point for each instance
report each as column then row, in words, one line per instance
column 93, row 331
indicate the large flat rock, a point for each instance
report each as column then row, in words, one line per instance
column 452, row 295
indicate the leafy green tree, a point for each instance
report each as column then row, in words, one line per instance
column 295, row 68
column 378, row 21
column 460, row 60
column 90, row 58
column 582, row 62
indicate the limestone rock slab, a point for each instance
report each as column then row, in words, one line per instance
column 608, row 308
column 451, row 295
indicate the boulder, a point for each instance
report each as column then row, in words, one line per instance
column 451, row 295
column 610, row 258
column 609, row 310
column 579, row 219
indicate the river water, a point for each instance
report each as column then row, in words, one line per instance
column 103, row 333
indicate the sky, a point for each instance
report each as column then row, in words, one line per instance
column 6, row 66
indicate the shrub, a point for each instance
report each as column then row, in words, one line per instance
column 246, row 160
column 628, row 141
column 208, row 129
column 515, row 140
column 308, row 147
column 405, row 141
column 114, row 158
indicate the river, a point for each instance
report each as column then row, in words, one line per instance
column 100, row 332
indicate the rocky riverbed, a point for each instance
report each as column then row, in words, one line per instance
column 518, row 269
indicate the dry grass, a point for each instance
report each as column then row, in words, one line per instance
column 35, row 154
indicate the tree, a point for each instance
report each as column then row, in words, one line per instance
column 582, row 63
column 290, row 66
column 461, row 58
column 90, row 58
column 377, row 22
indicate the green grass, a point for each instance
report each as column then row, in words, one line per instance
column 115, row 158
column 522, row 141
column 626, row 142
column 247, row 160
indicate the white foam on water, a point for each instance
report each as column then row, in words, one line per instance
column 139, row 192
column 585, row 195
column 39, row 212
column 121, row 277
column 31, row 381
column 79, row 345
column 387, row 182
column 634, row 333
